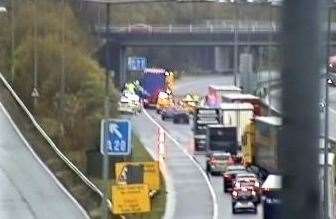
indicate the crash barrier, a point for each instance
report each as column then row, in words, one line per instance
column 81, row 188
column 276, row 84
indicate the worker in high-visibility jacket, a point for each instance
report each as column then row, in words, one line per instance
column 170, row 80
column 130, row 87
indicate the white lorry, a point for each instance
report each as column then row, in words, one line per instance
column 237, row 115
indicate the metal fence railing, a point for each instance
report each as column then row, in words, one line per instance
column 81, row 188
column 175, row 29
column 225, row 27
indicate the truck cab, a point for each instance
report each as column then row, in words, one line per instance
column 153, row 82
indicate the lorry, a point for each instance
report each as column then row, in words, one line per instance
column 221, row 139
column 204, row 116
column 260, row 108
column 260, row 143
column 271, row 191
column 216, row 92
column 237, row 115
column 153, row 82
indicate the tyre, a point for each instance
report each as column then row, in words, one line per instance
column 208, row 168
column 255, row 210
column 233, row 209
column 225, row 190
column 163, row 118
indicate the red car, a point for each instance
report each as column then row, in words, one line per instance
column 248, row 180
column 229, row 176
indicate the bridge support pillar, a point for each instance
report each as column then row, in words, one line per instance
column 122, row 66
column 223, row 60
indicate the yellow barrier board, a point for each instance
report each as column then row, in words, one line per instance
column 129, row 199
column 151, row 173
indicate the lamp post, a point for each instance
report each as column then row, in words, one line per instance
column 12, row 42
column 235, row 48
column 326, row 122
column 62, row 86
column 35, row 93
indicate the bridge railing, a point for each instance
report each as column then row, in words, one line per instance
column 81, row 188
column 222, row 28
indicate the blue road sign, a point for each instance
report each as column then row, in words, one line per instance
column 115, row 137
column 137, row 63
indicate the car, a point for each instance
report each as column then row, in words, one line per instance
column 140, row 28
column 129, row 103
column 229, row 176
column 244, row 199
column 249, row 182
column 218, row 162
column 176, row 114
column 164, row 101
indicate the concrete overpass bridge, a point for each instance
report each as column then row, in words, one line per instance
column 228, row 41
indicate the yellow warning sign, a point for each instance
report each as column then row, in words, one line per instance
column 128, row 199
column 151, row 173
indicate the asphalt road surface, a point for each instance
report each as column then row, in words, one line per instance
column 196, row 197
column 184, row 135
column 27, row 189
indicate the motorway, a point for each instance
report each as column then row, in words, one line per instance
column 28, row 190
column 190, row 182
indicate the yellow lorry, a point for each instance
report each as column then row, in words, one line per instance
column 260, row 143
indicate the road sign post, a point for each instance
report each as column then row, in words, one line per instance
column 115, row 140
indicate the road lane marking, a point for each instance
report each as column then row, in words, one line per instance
column 212, row 191
column 58, row 183
column 170, row 201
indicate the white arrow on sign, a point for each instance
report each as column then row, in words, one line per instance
column 113, row 128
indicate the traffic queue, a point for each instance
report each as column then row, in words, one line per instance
column 239, row 135
column 233, row 129
column 240, row 142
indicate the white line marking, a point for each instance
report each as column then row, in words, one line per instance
column 212, row 191
column 60, row 185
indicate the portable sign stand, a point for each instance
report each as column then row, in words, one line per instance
column 115, row 140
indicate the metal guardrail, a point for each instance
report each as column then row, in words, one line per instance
column 52, row 145
column 276, row 84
